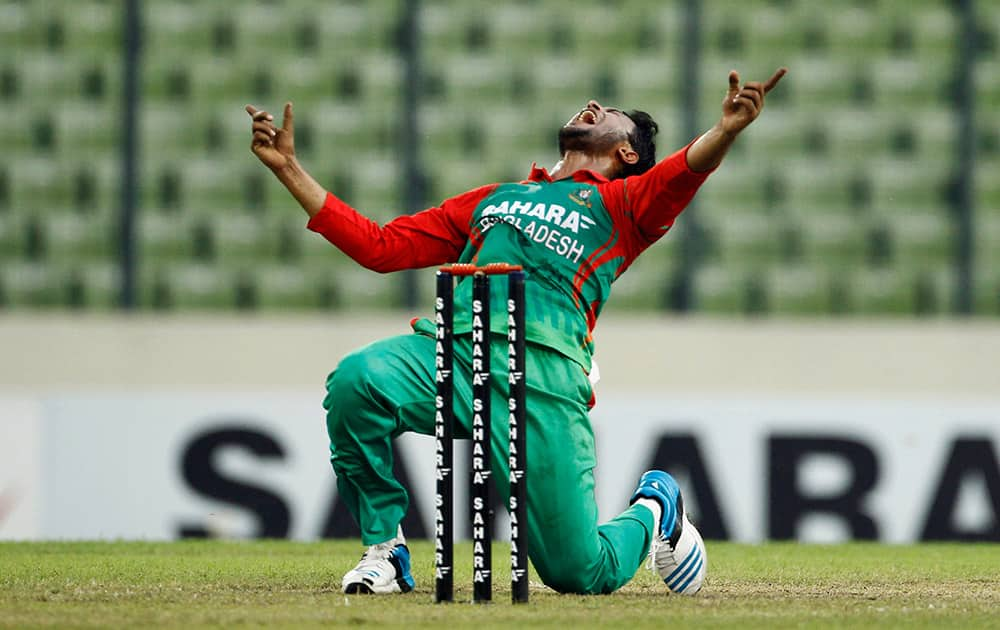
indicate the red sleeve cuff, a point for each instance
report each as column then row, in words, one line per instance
column 332, row 206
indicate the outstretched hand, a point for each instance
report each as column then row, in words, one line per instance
column 743, row 104
column 274, row 146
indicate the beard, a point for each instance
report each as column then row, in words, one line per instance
column 586, row 141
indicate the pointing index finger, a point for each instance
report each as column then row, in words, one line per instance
column 773, row 81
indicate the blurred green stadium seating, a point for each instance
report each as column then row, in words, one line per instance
column 837, row 201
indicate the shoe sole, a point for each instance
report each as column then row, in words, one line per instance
column 358, row 589
column 361, row 588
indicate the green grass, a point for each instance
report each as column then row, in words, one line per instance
column 285, row 584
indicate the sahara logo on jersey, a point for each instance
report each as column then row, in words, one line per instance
column 546, row 224
column 555, row 214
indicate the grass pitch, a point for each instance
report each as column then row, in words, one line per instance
column 287, row 584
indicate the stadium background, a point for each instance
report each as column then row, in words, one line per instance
column 844, row 258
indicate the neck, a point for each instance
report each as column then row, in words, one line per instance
column 574, row 161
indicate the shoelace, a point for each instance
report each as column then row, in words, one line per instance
column 654, row 548
column 374, row 555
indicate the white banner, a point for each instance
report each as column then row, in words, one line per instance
column 243, row 464
column 816, row 470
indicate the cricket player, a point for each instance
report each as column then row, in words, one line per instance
column 574, row 229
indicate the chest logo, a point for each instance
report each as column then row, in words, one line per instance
column 581, row 197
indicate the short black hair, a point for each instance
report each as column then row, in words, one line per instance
column 642, row 140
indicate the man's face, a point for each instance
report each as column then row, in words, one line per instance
column 595, row 130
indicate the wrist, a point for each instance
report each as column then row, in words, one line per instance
column 290, row 168
column 725, row 133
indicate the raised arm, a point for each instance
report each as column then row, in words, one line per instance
column 434, row 236
column 652, row 201
column 275, row 148
column 740, row 107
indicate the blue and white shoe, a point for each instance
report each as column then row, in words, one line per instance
column 677, row 552
column 384, row 568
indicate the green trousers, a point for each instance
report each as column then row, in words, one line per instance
column 387, row 388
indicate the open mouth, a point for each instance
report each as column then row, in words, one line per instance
column 587, row 116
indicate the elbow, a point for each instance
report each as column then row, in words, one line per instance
column 380, row 267
column 378, row 261
column 388, row 255
column 376, row 264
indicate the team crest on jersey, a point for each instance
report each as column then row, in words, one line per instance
column 582, row 196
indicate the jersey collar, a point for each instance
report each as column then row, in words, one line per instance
column 539, row 174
